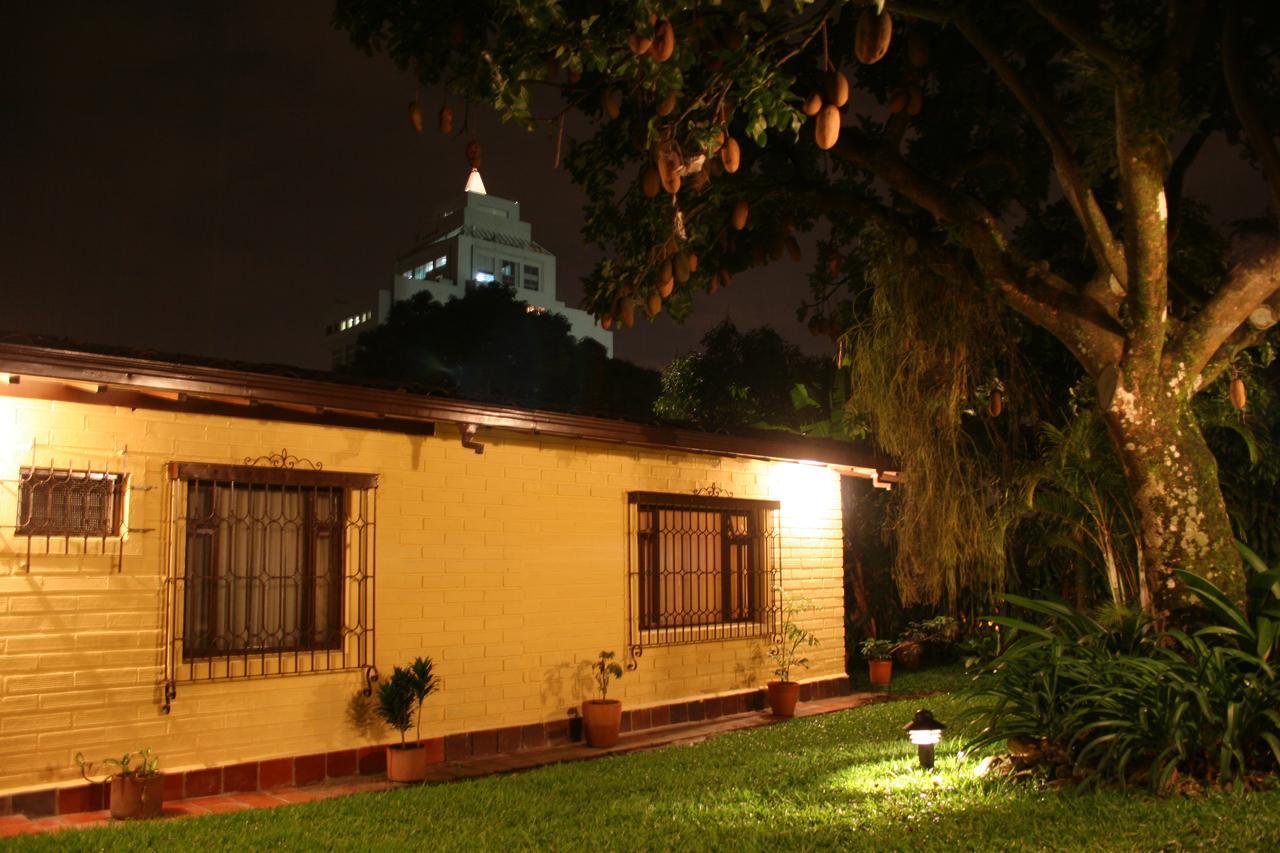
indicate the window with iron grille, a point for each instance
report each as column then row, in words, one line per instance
column 702, row 568
column 63, row 502
column 270, row 571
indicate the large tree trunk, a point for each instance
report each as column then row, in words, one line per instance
column 1173, row 479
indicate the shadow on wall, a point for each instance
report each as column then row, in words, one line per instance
column 567, row 683
column 748, row 675
column 362, row 717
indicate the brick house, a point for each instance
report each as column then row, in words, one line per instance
column 215, row 563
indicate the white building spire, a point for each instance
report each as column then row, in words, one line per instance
column 475, row 184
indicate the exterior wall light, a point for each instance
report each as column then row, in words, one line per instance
column 924, row 732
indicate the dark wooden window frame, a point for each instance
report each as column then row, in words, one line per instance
column 38, row 483
column 336, row 483
column 753, row 613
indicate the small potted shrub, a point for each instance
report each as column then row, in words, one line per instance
column 602, row 718
column 400, row 700
column 879, row 655
column 784, row 693
column 137, row 785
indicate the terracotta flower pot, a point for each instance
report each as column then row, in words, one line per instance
column 135, row 797
column 407, row 762
column 783, row 696
column 601, row 720
column 881, row 671
column 910, row 655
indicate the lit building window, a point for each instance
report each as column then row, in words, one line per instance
column 484, row 277
column 531, row 277
column 509, row 273
column 442, row 261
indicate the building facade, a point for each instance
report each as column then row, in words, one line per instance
column 483, row 243
column 217, row 564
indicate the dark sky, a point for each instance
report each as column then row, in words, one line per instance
column 217, row 178
column 226, row 178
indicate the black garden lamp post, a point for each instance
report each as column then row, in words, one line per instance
column 924, row 732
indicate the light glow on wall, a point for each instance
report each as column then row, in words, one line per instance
column 807, row 490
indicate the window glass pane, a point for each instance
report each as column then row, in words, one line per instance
column 531, row 277
column 508, row 273
column 61, row 502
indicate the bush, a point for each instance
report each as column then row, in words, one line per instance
column 1110, row 699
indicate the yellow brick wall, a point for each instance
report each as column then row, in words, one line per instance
column 508, row 568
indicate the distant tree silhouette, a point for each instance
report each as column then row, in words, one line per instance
column 745, row 379
column 487, row 346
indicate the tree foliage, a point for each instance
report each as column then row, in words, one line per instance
column 1032, row 153
column 486, row 345
column 746, row 379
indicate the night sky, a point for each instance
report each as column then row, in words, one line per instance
column 227, row 178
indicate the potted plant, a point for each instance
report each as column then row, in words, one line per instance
column 602, row 718
column 137, row 789
column 879, row 655
column 400, row 700
column 784, row 692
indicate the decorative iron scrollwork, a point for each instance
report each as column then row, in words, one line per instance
column 633, row 661
column 283, row 459
column 713, row 491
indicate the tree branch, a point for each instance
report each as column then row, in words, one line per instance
column 1083, row 39
column 1255, row 128
column 1045, row 299
column 1178, row 171
column 1106, row 251
column 1140, row 157
column 1253, row 281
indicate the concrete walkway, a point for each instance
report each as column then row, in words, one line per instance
column 681, row 734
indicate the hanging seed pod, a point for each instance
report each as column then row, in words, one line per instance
column 741, row 211
column 871, row 41
column 639, row 44
column 834, row 264
column 606, row 322
column 918, row 48
column 725, row 278
column 672, row 183
column 827, row 128
column 812, row 104
column 835, row 88
column 627, row 312
column 611, row 103
column 1237, row 393
column 682, row 267
column 714, row 284
column 650, row 182
column 915, row 100
column 665, row 287
column 792, row 246
column 473, row 154
column 666, row 272
column 898, row 100
column 664, row 42
column 996, row 404
column 415, row 115
column 730, row 155
column 654, row 305
column 693, row 261
column 667, row 105
column 444, row 120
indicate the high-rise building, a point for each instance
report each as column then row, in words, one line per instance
column 482, row 244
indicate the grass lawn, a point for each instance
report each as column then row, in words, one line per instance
column 847, row 780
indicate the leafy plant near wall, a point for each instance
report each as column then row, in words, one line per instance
column 605, row 670
column 786, row 654
column 1112, row 700
column 132, row 765
column 401, row 696
column 875, row 649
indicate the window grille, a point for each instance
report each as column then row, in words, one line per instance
column 61, row 502
column 702, row 568
column 270, row 571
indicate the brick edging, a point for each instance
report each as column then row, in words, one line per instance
column 303, row 770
